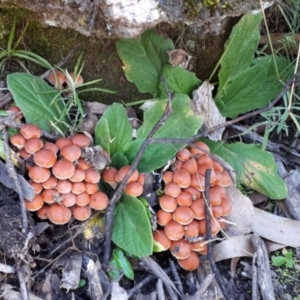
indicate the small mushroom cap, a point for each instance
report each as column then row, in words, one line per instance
column 183, row 154
column 109, row 175
column 217, row 211
column 70, row 152
column 50, row 183
column 167, row 176
column 190, row 165
column 226, row 205
column 42, row 213
column 181, row 249
column 92, row 176
column 68, row 199
column 134, row 189
column 217, row 167
column 63, row 169
column 24, row 154
column 91, row 188
column 198, row 207
column 62, row 142
column 176, row 165
column 18, row 140
column 192, row 229
column 57, row 79
column 226, row 180
column 44, row 158
column 124, row 171
column 59, row 214
column 80, row 187
column 39, row 174
column 198, row 151
column 38, row 187
column 98, row 201
column 190, row 263
column 193, row 191
column 82, row 199
column 17, row 112
column 77, row 79
column 199, row 246
column 50, row 196
column 174, row 231
column 35, row 204
column 206, row 161
column 51, row 146
column 82, row 164
column 184, row 199
column 214, row 223
column 141, row 179
column 81, row 213
column 198, row 182
column 81, row 140
column 64, row 186
column 172, row 189
column 33, row 145
column 202, row 170
column 168, row 203
column 182, row 178
column 78, row 176
column 30, row 131
column 164, row 243
column 216, row 193
column 183, row 215
column 163, row 217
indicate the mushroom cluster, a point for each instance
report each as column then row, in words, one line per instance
column 134, row 185
column 59, row 80
column 182, row 206
column 64, row 183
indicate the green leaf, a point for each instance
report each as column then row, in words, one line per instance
column 255, row 87
column 242, row 94
column 181, row 124
column 278, row 261
column 239, row 49
column 179, row 81
column 131, row 229
column 120, row 261
column 155, row 155
column 33, row 95
column 82, row 283
column 113, row 131
column 254, row 167
column 144, row 59
column 289, row 262
column 119, row 160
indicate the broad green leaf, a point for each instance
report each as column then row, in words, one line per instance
column 242, row 94
column 179, row 81
column 239, row 49
column 254, row 167
column 120, row 265
column 155, row 156
column 113, row 131
column 255, row 87
column 131, row 229
column 144, row 59
column 181, row 124
column 119, row 160
column 33, row 95
column 278, row 261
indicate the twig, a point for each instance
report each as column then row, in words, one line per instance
column 118, row 192
column 208, row 234
column 176, row 276
column 13, row 174
column 8, row 97
column 23, row 288
column 254, row 278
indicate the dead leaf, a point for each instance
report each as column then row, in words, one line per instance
column 205, row 105
column 179, row 58
column 241, row 215
column 71, row 269
column 292, row 181
column 96, row 156
column 6, row 269
column 7, row 293
column 280, row 230
column 118, row 293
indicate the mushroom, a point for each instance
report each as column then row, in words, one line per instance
column 167, row 176
column 172, row 189
column 30, row 131
column 70, row 152
column 191, row 230
column 181, row 249
column 68, row 199
column 57, row 79
column 44, row 158
column 80, row 140
column 64, row 186
column 82, row 199
column 198, row 207
column 91, row 188
column 134, row 189
column 163, row 242
column 35, row 204
column 98, row 201
column 174, row 231
column 42, row 213
column 190, row 263
column 182, row 178
column 124, row 171
column 196, row 152
column 183, row 154
column 62, row 142
column 109, row 176
column 92, row 176
column 32, row 145
column 81, row 213
column 80, row 187
column 39, row 174
column 50, row 183
column 18, row 140
column 63, row 169
column 163, row 217
column 183, row 215
column 59, row 214
column 82, row 164
column 78, row 176
column 167, row 203
column 184, row 199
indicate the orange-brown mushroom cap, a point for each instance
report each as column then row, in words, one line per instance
column 59, row 214
column 98, row 201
